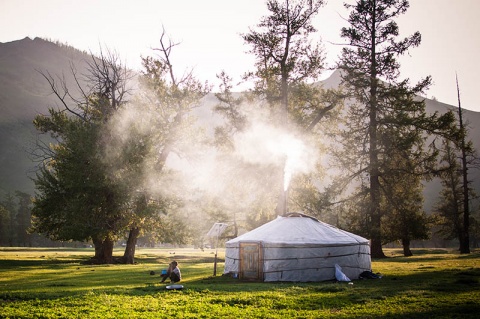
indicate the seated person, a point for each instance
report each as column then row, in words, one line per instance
column 173, row 272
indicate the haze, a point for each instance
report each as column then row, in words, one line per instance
column 209, row 32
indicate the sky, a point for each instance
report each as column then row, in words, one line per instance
column 209, row 33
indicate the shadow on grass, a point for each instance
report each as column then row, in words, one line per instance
column 449, row 281
column 225, row 291
column 8, row 264
column 184, row 259
column 425, row 256
column 45, row 249
column 48, row 260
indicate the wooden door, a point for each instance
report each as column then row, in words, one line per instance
column 251, row 262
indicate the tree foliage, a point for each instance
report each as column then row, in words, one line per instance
column 97, row 179
column 288, row 62
column 449, row 209
column 5, row 229
column 15, row 220
column 284, row 53
column 76, row 198
column 404, row 219
column 468, row 158
column 452, row 215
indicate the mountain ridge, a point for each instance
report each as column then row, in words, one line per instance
column 24, row 93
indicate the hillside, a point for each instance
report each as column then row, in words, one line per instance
column 25, row 93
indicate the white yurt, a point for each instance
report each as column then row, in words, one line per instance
column 299, row 248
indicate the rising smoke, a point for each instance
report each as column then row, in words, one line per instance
column 195, row 168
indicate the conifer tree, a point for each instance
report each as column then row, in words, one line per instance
column 454, row 208
column 5, row 217
column 468, row 157
column 449, row 209
column 402, row 201
column 385, row 114
column 288, row 61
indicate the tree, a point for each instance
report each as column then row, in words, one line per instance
column 176, row 97
column 449, row 209
column 382, row 104
column 241, row 178
column 166, row 102
column 76, row 198
column 15, row 220
column 5, row 217
column 453, row 209
column 23, row 219
column 284, row 55
column 404, row 219
column 287, row 65
column 468, row 157
column 94, row 183
column 229, row 107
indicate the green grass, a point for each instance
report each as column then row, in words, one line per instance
column 57, row 283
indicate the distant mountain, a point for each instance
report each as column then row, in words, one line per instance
column 24, row 93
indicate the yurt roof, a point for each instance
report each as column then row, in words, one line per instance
column 296, row 228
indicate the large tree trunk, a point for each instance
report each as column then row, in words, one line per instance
column 375, row 215
column 464, row 241
column 97, row 243
column 103, row 250
column 406, row 247
column 108, row 250
column 376, row 248
column 129, row 254
column 464, row 235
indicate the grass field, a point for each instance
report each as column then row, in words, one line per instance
column 57, row 283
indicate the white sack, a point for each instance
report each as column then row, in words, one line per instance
column 339, row 275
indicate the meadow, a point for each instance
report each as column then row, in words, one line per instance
column 59, row 283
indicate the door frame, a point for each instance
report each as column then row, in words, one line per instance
column 251, row 261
